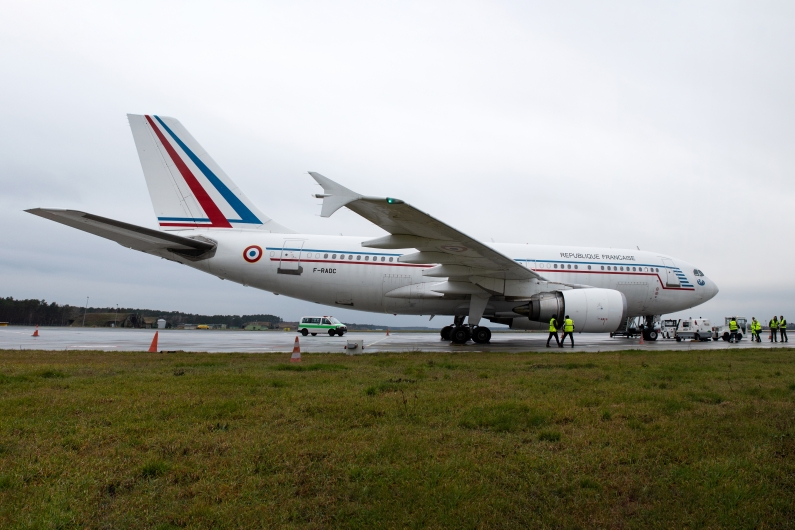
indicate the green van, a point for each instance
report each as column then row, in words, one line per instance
column 314, row 325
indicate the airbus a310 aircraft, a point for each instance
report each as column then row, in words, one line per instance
column 422, row 267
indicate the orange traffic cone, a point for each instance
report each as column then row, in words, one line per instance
column 36, row 333
column 296, row 356
column 641, row 338
column 153, row 346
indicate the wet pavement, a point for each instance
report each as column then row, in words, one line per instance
column 59, row 338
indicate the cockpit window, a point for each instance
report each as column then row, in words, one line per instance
column 698, row 272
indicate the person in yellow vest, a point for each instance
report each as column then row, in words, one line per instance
column 773, row 329
column 782, row 329
column 756, row 327
column 568, row 329
column 553, row 331
column 733, row 330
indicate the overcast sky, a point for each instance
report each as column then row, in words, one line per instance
column 664, row 125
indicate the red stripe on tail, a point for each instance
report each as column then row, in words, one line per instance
column 217, row 218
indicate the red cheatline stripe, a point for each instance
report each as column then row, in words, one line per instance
column 217, row 218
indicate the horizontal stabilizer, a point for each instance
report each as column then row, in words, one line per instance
column 129, row 235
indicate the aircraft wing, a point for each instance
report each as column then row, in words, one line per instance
column 458, row 254
column 129, row 235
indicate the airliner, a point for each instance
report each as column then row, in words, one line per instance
column 422, row 266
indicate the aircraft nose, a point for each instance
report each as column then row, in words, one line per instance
column 712, row 289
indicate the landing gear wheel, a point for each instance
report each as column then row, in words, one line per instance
column 460, row 335
column 481, row 335
column 726, row 336
column 678, row 339
column 697, row 337
column 332, row 332
column 304, row 332
column 739, row 337
column 314, row 334
column 652, row 335
column 445, row 333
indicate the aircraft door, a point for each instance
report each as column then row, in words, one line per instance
column 290, row 259
column 671, row 279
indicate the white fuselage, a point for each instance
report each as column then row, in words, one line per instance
column 338, row 271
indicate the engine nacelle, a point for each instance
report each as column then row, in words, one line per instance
column 593, row 310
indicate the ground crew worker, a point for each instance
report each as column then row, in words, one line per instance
column 553, row 331
column 756, row 327
column 782, row 329
column 773, row 329
column 733, row 330
column 568, row 329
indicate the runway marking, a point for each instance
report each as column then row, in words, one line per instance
column 376, row 342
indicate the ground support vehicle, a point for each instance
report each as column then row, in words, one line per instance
column 723, row 332
column 324, row 324
column 668, row 329
column 694, row 329
column 646, row 326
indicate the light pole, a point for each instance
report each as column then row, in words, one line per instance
column 84, row 313
column 116, row 318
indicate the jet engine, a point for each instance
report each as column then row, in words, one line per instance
column 593, row 310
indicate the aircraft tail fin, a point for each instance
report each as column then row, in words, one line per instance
column 187, row 187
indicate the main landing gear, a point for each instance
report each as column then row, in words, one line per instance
column 460, row 333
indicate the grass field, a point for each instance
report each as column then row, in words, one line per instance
column 565, row 439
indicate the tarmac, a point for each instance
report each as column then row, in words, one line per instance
column 108, row 339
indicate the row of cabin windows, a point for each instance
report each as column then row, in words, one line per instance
column 350, row 257
column 609, row 267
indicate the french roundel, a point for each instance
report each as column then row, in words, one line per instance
column 252, row 254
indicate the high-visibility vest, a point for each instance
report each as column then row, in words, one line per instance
column 756, row 326
column 568, row 326
column 774, row 324
column 552, row 328
column 782, row 324
column 733, row 325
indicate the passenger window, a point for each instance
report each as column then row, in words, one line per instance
column 603, row 267
column 382, row 258
column 359, row 257
column 367, row 258
column 622, row 268
column 569, row 265
column 325, row 256
column 333, row 256
column 575, row 266
column 556, row 265
column 350, row 256
column 633, row 269
column 390, row 259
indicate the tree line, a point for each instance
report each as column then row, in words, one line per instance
column 39, row 312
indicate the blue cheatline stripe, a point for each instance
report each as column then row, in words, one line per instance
column 620, row 263
column 333, row 251
column 194, row 219
column 246, row 215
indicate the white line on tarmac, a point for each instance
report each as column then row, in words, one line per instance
column 376, row 342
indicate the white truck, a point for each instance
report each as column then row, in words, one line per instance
column 668, row 328
column 723, row 332
column 694, row 329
